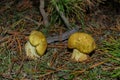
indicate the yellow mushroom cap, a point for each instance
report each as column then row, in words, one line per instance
column 41, row 48
column 37, row 44
column 36, row 38
column 82, row 42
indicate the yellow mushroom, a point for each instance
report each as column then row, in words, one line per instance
column 82, row 44
column 36, row 46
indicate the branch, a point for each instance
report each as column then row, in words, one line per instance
column 64, row 36
column 43, row 13
column 27, row 18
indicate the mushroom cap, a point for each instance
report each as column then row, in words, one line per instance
column 82, row 42
column 41, row 48
column 38, row 40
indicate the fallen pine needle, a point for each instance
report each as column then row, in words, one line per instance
column 91, row 67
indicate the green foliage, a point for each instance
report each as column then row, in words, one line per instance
column 116, row 73
column 73, row 9
column 95, row 74
column 113, row 47
column 113, row 50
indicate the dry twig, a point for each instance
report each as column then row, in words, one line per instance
column 64, row 36
column 38, row 23
column 43, row 13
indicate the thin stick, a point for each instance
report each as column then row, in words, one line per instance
column 43, row 13
column 19, row 45
column 38, row 23
column 64, row 36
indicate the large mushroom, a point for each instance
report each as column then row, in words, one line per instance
column 36, row 46
column 82, row 44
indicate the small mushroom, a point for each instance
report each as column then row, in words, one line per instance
column 36, row 46
column 82, row 44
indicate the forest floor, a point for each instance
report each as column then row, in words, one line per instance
column 16, row 23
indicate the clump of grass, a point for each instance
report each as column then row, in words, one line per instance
column 73, row 10
column 112, row 48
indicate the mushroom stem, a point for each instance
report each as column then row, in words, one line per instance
column 79, row 56
column 31, row 51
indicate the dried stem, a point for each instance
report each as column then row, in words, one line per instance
column 64, row 36
column 38, row 23
column 43, row 13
